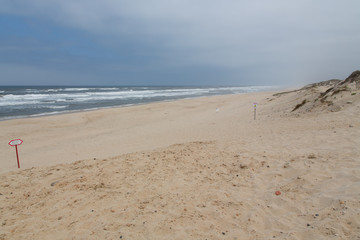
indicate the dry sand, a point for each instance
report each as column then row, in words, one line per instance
column 189, row 169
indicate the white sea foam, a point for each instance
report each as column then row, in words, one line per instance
column 76, row 89
column 53, row 90
column 55, row 107
column 106, row 89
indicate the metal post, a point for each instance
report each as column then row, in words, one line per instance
column 17, row 156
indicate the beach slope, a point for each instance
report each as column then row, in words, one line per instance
column 189, row 169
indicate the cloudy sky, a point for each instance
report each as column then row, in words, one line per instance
column 177, row 42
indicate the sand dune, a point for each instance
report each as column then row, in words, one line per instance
column 182, row 170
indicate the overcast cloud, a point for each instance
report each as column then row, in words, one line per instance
column 173, row 42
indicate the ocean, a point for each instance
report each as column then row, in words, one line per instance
column 25, row 101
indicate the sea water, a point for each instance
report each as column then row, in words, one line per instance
column 25, row 101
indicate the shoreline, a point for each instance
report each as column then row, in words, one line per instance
column 102, row 108
column 118, row 106
column 48, row 101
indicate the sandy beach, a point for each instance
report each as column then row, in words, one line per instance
column 189, row 169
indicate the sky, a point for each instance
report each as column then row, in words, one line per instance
column 178, row 42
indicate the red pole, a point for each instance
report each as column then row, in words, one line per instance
column 17, row 156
